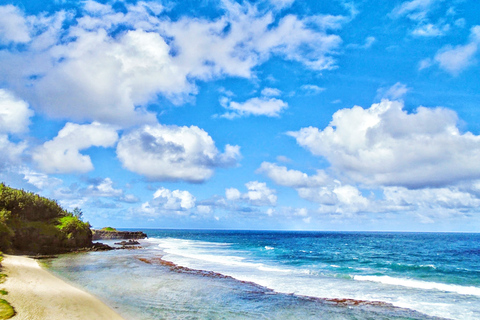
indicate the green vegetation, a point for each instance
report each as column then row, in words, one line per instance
column 109, row 229
column 33, row 224
column 6, row 310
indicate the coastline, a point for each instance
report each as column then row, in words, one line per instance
column 36, row 294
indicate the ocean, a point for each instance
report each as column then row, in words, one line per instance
column 218, row 274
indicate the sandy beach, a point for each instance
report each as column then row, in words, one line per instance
column 36, row 294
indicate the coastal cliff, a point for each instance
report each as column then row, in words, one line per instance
column 111, row 233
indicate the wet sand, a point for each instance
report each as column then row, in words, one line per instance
column 36, row 294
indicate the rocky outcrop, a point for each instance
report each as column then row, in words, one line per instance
column 124, row 235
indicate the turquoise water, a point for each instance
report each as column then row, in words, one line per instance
column 185, row 274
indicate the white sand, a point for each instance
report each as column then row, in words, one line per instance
column 38, row 295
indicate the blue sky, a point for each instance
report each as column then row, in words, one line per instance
column 275, row 114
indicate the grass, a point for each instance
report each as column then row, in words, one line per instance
column 109, row 229
column 6, row 310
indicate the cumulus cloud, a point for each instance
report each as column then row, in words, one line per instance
column 40, row 180
column 165, row 200
column 10, row 153
column 14, row 113
column 264, row 106
column 252, row 37
column 102, row 188
column 385, row 145
column 91, row 72
column 430, row 198
column 164, row 153
column 292, row 178
column 105, row 79
column 258, row 194
column 14, row 119
column 13, row 25
column 319, row 188
column 129, row 198
column 62, row 154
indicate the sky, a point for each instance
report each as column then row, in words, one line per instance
column 337, row 115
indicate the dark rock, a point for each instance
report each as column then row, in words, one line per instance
column 107, row 235
column 128, row 243
column 98, row 246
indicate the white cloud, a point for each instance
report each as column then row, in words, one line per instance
column 460, row 23
column 385, row 145
column 414, row 9
column 456, row 59
column 14, row 113
column 351, row 196
column 61, row 155
column 91, row 72
column 281, row 4
column 430, row 198
column 421, row 13
column 13, row 25
column 312, row 89
column 14, row 119
column 165, row 200
column 425, row 63
column 233, row 194
column 205, row 210
column 271, row 92
column 40, row 180
column 105, row 79
column 292, row 178
column 395, row 92
column 369, row 41
column 322, row 195
column 431, row 30
column 264, row 106
column 103, row 188
column 319, row 188
column 10, row 153
column 173, row 153
column 283, row 159
column 258, row 194
column 129, row 198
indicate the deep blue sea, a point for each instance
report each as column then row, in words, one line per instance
column 205, row 274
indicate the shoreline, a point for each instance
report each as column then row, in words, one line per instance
column 36, row 294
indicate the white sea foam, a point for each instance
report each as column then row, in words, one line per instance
column 205, row 256
column 315, row 281
column 418, row 284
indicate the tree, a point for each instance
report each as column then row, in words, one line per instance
column 77, row 212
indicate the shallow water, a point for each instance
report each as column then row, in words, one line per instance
column 285, row 275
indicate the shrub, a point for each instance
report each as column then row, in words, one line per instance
column 109, row 229
column 34, row 224
column 77, row 232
